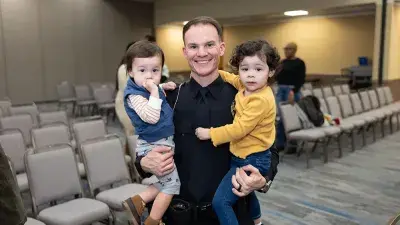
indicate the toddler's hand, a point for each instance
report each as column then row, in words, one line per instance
column 150, row 85
column 203, row 133
column 169, row 86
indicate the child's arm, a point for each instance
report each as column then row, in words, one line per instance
column 241, row 127
column 231, row 78
column 148, row 110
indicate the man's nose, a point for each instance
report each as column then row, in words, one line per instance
column 202, row 51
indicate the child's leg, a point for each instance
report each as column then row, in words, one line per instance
column 160, row 205
column 149, row 194
column 254, row 206
column 224, row 199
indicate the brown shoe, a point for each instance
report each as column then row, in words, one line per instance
column 151, row 221
column 134, row 207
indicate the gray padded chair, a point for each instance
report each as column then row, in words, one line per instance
column 104, row 162
column 61, row 183
column 359, row 113
column 366, row 103
column 66, row 94
column 47, row 118
column 345, row 89
column 5, row 107
column 308, row 86
column 317, row 92
column 377, row 108
column 337, row 90
column 386, row 104
column 14, row 147
column 84, row 98
column 31, row 221
column 27, row 109
column 327, row 91
column 294, row 130
column 305, row 92
column 104, row 100
column 21, row 122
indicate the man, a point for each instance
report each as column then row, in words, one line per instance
column 165, row 70
column 291, row 77
column 204, row 101
column 12, row 211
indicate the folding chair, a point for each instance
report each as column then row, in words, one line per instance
column 327, row 91
column 27, row 109
column 359, row 113
column 377, row 109
column 104, row 100
column 13, row 145
column 53, row 178
column 104, row 162
column 5, row 107
column 48, row 118
column 337, row 90
column 66, row 95
column 305, row 92
column 84, row 98
column 21, row 122
column 366, row 103
column 317, row 92
column 345, row 89
column 387, row 105
column 308, row 86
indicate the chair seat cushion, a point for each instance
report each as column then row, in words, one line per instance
column 86, row 102
column 366, row 118
column 77, row 211
column 22, row 180
column 31, row 221
column 346, row 126
column 355, row 121
column 114, row 197
column 331, row 130
column 107, row 106
column 63, row 100
column 307, row 135
column 128, row 159
column 375, row 113
column 81, row 169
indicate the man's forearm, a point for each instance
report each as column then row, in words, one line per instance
column 139, row 168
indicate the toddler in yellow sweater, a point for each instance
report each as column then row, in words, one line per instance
column 252, row 132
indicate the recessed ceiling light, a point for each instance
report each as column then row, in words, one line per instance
column 185, row 22
column 296, row 13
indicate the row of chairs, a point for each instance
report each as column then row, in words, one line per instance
column 95, row 97
column 56, row 188
column 358, row 112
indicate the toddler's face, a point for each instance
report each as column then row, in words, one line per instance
column 253, row 73
column 146, row 68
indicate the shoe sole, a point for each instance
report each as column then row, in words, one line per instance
column 130, row 214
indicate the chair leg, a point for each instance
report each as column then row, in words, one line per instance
column 391, row 124
column 383, row 128
column 373, row 132
column 398, row 121
column 339, row 141
column 326, row 149
column 285, row 150
column 353, row 141
column 364, row 142
column 308, row 154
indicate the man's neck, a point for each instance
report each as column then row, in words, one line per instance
column 291, row 58
column 204, row 81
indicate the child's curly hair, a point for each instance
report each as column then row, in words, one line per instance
column 264, row 50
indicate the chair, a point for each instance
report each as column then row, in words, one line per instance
column 345, row 89
column 327, row 91
column 21, row 122
column 377, row 109
column 31, row 221
column 366, row 103
column 47, row 118
column 132, row 141
column 84, row 98
column 294, row 130
column 5, row 107
column 66, row 94
column 308, row 86
column 337, row 90
column 27, row 109
column 306, row 92
column 104, row 162
column 13, row 145
column 104, row 100
column 359, row 113
column 388, row 105
column 49, row 190
column 317, row 92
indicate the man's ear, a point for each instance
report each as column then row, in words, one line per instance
column 184, row 51
column 222, row 48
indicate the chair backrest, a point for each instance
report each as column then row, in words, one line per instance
column 308, row 86
column 87, row 130
column 21, row 122
column 345, row 89
column 104, row 162
column 53, row 117
column 5, row 107
column 334, row 107
column 27, row 109
column 103, row 95
column 337, row 90
column 366, row 102
column 83, row 93
column 317, row 92
column 132, row 141
column 373, row 98
column 345, row 105
column 65, row 90
column 324, row 107
column 306, row 92
column 388, row 94
column 290, row 119
column 52, row 175
column 327, row 91
column 356, row 102
column 381, row 96
column 14, row 146
column 50, row 135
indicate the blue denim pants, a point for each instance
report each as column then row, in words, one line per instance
column 282, row 96
column 224, row 198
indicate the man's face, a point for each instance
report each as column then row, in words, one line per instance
column 290, row 52
column 203, row 48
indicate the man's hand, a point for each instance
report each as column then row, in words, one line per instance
column 169, row 86
column 244, row 184
column 159, row 161
column 150, row 85
column 203, row 133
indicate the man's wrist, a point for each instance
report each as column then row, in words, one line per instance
column 139, row 168
column 266, row 186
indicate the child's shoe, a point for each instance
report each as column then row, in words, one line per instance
column 134, row 207
column 151, row 221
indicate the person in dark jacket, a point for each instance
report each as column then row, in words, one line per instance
column 12, row 211
column 204, row 101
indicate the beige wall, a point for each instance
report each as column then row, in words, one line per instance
column 326, row 44
column 393, row 44
column 43, row 42
column 167, row 11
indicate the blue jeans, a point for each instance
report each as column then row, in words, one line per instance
column 224, row 198
column 283, row 96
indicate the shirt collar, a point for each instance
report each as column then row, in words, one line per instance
column 214, row 88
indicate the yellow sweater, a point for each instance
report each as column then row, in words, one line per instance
column 253, row 128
